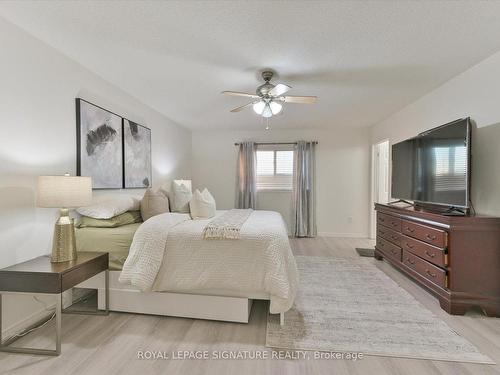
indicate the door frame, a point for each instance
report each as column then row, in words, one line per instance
column 374, row 182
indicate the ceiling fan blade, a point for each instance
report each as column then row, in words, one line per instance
column 237, row 109
column 237, row 93
column 300, row 99
column 279, row 89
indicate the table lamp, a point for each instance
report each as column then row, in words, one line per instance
column 64, row 192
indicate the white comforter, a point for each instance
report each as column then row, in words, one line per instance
column 168, row 253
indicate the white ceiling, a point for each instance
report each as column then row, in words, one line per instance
column 364, row 60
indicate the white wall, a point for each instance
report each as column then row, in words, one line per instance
column 342, row 174
column 474, row 93
column 38, row 86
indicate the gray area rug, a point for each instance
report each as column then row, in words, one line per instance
column 349, row 305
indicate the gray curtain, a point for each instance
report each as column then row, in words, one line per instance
column 246, row 176
column 304, row 187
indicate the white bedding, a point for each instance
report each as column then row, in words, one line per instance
column 169, row 254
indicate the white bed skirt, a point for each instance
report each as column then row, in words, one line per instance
column 213, row 304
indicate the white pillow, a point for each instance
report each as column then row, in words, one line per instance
column 180, row 197
column 110, row 207
column 202, row 205
column 153, row 203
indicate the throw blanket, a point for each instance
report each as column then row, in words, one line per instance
column 227, row 225
column 147, row 250
column 169, row 254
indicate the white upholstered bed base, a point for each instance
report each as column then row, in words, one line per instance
column 211, row 305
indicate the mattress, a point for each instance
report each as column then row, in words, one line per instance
column 115, row 241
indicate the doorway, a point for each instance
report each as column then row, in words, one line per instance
column 380, row 178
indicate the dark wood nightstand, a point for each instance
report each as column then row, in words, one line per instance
column 40, row 276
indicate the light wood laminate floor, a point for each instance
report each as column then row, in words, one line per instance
column 109, row 345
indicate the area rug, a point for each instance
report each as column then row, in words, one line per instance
column 349, row 305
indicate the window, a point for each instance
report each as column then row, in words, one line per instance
column 274, row 168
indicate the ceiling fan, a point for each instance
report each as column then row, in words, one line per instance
column 269, row 98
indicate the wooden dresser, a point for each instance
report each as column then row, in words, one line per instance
column 455, row 257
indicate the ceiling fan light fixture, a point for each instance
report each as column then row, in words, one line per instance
column 259, row 107
column 276, row 107
column 267, row 112
column 269, row 98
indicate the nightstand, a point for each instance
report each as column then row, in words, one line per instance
column 40, row 276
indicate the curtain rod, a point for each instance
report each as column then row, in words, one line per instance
column 276, row 143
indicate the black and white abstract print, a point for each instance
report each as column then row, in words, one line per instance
column 100, row 144
column 137, row 155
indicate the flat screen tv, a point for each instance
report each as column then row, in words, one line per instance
column 434, row 167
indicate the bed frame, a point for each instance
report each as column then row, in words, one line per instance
column 218, row 305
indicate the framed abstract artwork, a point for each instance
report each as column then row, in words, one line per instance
column 99, row 145
column 136, row 155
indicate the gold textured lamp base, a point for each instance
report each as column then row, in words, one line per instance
column 64, row 243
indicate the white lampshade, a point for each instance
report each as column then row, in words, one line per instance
column 267, row 112
column 186, row 183
column 275, row 107
column 259, row 107
column 64, row 191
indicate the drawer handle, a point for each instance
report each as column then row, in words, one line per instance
column 394, row 251
column 381, row 231
column 408, row 245
column 408, row 260
column 381, row 219
column 382, row 244
column 410, row 229
column 394, row 224
column 429, row 237
column 430, row 273
column 429, row 254
column 394, row 237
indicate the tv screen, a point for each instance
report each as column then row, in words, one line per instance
column 434, row 167
column 404, row 170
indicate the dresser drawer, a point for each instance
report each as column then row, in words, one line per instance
column 389, row 221
column 389, row 249
column 425, row 251
column 436, row 237
column 389, row 235
column 424, row 268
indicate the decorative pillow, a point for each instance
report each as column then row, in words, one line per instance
column 110, row 208
column 180, row 197
column 153, row 203
column 129, row 217
column 202, row 205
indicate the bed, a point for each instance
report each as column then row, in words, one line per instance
column 172, row 270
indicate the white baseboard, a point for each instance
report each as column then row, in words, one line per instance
column 37, row 315
column 22, row 324
column 343, row 235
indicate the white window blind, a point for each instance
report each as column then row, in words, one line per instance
column 284, row 162
column 274, row 168
column 265, row 163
